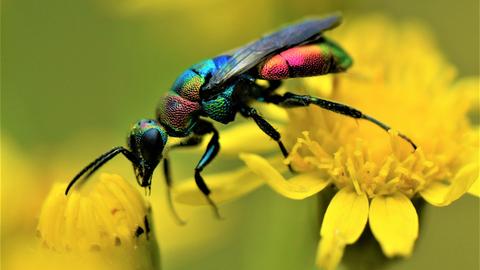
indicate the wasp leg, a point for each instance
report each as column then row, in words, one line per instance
column 293, row 100
column 168, row 180
column 211, row 152
column 191, row 141
column 265, row 127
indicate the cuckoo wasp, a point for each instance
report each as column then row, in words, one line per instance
column 218, row 88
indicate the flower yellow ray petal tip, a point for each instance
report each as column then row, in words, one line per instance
column 475, row 188
column 394, row 223
column 329, row 252
column 444, row 193
column 346, row 215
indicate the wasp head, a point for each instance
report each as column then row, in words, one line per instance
column 146, row 141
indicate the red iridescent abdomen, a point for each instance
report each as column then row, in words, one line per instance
column 305, row 61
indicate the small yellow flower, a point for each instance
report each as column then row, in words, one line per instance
column 105, row 222
column 400, row 78
column 27, row 181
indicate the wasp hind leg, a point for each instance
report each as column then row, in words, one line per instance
column 290, row 100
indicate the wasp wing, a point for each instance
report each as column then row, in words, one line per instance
column 253, row 53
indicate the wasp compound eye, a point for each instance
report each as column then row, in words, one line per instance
column 152, row 144
column 147, row 139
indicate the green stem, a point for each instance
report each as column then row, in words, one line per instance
column 153, row 246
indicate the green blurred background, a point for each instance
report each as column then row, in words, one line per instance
column 76, row 74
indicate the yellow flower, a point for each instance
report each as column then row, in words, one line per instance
column 400, row 78
column 27, row 181
column 105, row 223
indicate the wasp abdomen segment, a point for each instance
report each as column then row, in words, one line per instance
column 305, row 61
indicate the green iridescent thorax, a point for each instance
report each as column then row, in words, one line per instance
column 221, row 108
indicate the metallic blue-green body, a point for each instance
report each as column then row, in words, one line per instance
column 215, row 88
column 185, row 102
column 220, row 87
column 221, row 107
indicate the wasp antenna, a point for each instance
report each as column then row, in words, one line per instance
column 94, row 165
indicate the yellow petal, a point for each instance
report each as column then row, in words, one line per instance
column 442, row 194
column 320, row 86
column 298, row 187
column 343, row 223
column 346, row 216
column 475, row 188
column 394, row 223
column 272, row 112
column 244, row 137
column 329, row 252
column 224, row 186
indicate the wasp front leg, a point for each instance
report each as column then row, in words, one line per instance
column 191, row 141
column 168, row 181
column 212, row 150
column 204, row 127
